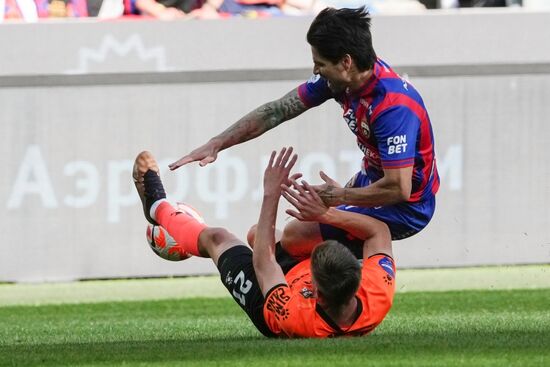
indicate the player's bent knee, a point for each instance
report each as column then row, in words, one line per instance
column 380, row 240
column 215, row 236
column 300, row 238
column 382, row 231
column 251, row 235
column 292, row 232
column 297, row 232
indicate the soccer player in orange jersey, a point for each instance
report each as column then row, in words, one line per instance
column 330, row 294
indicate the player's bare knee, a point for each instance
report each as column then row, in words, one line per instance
column 288, row 240
column 383, row 232
column 291, row 233
column 292, row 244
column 251, row 235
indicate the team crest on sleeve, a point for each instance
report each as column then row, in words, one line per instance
column 387, row 265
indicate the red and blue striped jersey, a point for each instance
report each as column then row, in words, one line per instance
column 391, row 123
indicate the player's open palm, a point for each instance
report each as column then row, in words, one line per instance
column 278, row 170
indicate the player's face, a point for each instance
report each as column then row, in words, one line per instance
column 335, row 74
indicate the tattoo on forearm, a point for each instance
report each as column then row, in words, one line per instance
column 328, row 195
column 283, row 109
column 263, row 119
column 244, row 129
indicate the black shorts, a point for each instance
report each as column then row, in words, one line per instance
column 238, row 276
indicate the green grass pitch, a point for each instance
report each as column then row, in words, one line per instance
column 430, row 328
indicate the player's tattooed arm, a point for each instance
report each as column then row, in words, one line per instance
column 262, row 119
column 283, row 109
column 252, row 125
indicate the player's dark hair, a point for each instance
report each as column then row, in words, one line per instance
column 336, row 272
column 337, row 32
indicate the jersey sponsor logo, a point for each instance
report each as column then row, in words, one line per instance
column 306, row 292
column 349, row 117
column 363, row 148
column 386, row 264
column 397, row 144
column 371, row 155
column 296, row 280
column 276, row 303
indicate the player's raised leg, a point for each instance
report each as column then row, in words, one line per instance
column 187, row 230
column 232, row 257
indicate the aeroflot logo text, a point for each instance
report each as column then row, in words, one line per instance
column 231, row 179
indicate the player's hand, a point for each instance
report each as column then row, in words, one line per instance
column 328, row 191
column 304, row 198
column 205, row 154
column 277, row 171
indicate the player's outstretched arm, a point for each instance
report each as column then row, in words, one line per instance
column 394, row 187
column 252, row 125
column 268, row 272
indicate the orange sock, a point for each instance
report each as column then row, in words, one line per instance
column 183, row 227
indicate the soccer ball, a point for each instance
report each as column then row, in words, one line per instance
column 163, row 244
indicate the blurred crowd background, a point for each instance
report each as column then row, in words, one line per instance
column 37, row 10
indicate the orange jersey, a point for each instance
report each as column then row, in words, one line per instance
column 292, row 311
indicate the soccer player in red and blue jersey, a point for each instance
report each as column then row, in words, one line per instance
column 398, row 181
